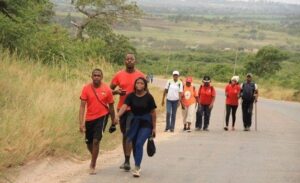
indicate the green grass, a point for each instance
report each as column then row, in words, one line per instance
column 39, row 108
column 211, row 35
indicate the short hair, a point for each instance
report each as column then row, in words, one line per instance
column 99, row 70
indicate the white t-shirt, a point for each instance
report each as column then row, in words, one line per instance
column 173, row 89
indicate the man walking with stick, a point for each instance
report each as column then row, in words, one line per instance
column 249, row 94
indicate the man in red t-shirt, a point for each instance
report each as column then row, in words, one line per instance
column 207, row 95
column 97, row 98
column 232, row 92
column 124, row 80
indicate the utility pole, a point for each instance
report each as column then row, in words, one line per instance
column 236, row 55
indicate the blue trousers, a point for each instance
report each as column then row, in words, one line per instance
column 138, row 143
column 171, row 114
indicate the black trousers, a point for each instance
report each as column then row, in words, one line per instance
column 247, row 108
column 230, row 108
column 203, row 110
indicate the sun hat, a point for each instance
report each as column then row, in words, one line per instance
column 206, row 79
column 176, row 73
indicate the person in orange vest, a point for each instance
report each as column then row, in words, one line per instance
column 188, row 100
column 207, row 95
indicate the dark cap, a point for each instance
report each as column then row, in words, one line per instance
column 206, row 79
column 249, row 75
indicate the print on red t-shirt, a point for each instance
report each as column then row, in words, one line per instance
column 125, row 80
column 95, row 109
column 206, row 94
column 232, row 94
column 189, row 95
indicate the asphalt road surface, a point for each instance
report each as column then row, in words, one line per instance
column 269, row 155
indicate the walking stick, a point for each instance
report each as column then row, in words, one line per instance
column 255, row 116
column 224, row 116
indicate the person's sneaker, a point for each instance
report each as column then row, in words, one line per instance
column 125, row 166
column 188, row 129
column 171, row 130
column 136, row 172
column 226, row 128
column 184, row 129
column 197, row 129
column 122, row 166
column 205, row 129
column 166, row 130
column 246, row 129
column 92, row 171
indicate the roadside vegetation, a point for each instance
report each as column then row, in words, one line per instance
column 47, row 52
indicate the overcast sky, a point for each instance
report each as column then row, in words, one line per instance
column 283, row 1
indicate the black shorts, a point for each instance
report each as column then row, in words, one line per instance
column 125, row 121
column 94, row 130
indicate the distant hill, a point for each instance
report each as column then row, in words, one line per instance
column 206, row 7
column 220, row 7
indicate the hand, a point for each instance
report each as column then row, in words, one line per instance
column 116, row 121
column 120, row 91
column 153, row 133
column 182, row 106
column 162, row 102
column 211, row 106
column 82, row 128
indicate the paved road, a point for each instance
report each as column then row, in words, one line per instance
column 269, row 155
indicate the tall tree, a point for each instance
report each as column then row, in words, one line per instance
column 267, row 61
column 103, row 12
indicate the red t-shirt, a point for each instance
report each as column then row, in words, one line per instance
column 95, row 109
column 232, row 94
column 206, row 94
column 126, row 81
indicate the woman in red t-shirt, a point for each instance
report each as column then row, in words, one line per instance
column 232, row 91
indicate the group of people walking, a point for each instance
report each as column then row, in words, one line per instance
column 197, row 104
column 136, row 113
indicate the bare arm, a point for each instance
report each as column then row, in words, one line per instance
column 112, row 113
column 81, row 116
column 212, row 102
column 256, row 95
column 114, row 91
column 153, row 114
column 164, row 96
column 121, row 111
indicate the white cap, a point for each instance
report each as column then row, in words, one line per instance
column 236, row 78
column 176, row 73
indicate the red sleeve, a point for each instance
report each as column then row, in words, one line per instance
column 110, row 98
column 238, row 88
column 213, row 92
column 226, row 88
column 199, row 91
column 115, row 80
column 84, row 92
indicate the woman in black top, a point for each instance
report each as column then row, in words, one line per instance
column 143, row 125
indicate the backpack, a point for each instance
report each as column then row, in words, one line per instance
column 179, row 84
column 211, row 88
column 247, row 92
